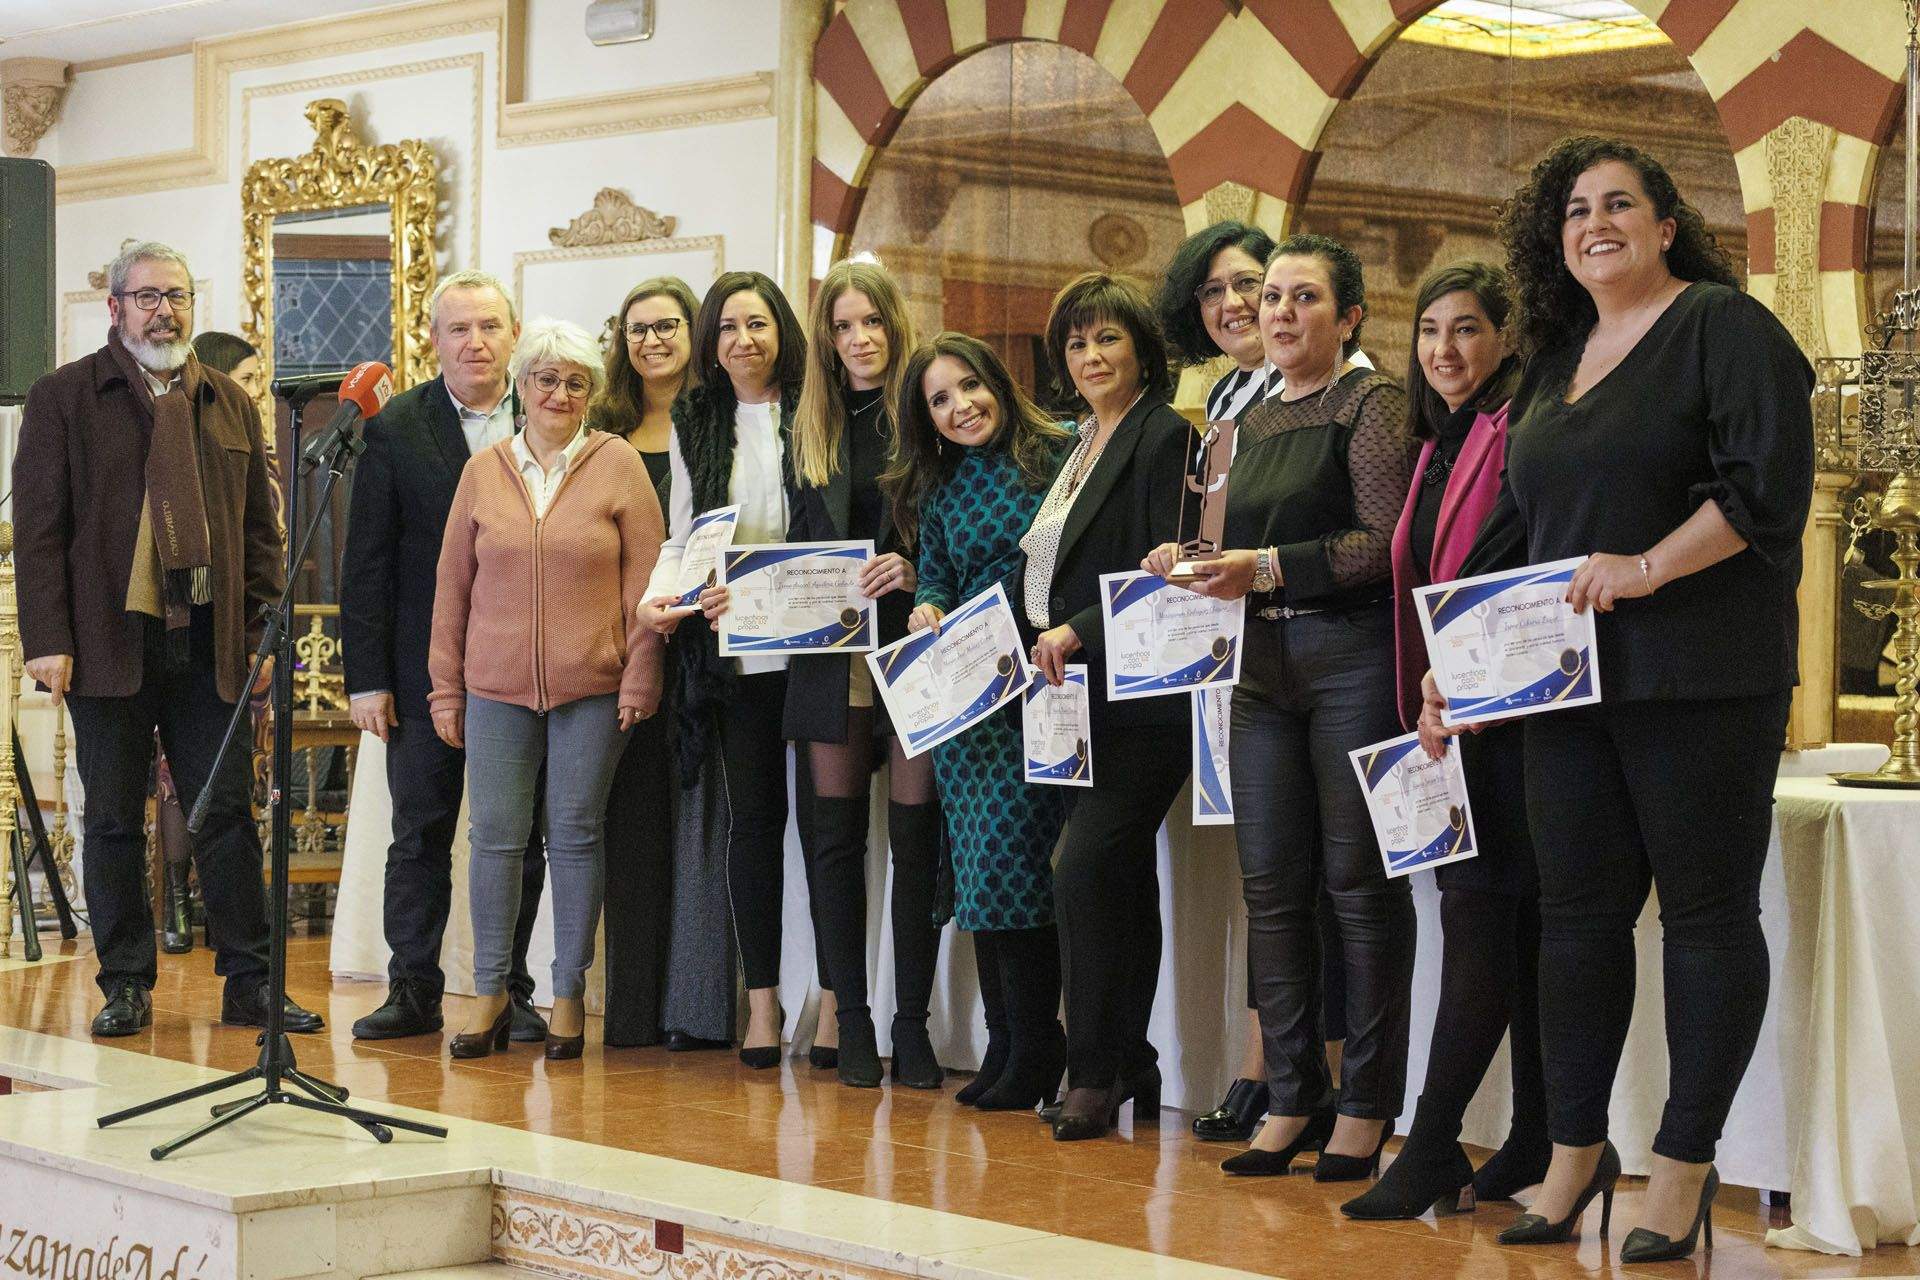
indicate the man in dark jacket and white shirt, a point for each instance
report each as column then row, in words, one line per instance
column 403, row 487
column 145, row 544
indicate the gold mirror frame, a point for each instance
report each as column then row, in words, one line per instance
column 340, row 172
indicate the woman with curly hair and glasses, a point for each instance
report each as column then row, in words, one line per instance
column 1663, row 431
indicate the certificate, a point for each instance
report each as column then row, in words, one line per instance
column 711, row 534
column 1419, row 804
column 936, row 684
column 1508, row 644
column 1212, row 782
column 1162, row 638
column 1057, row 725
column 796, row 597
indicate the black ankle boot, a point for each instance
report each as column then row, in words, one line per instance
column 986, row 965
column 913, row 1062
column 1521, row 1162
column 1431, row 1172
column 176, row 921
column 859, row 1066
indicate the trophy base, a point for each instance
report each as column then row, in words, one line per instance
column 1894, row 775
column 1185, row 571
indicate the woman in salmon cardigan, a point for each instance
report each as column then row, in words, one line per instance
column 1460, row 379
column 539, row 659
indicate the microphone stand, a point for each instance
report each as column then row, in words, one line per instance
column 277, row 1067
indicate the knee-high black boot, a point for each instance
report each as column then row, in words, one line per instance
column 839, row 853
column 1030, row 977
column 986, row 964
column 914, row 832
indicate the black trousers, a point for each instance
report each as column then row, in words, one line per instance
column 1677, row 795
column 639, row 886
column 755, row 762
column 113, row 739
column 426, row 779
column 1106, row 889
column 1314, row 688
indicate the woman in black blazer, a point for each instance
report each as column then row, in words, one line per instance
column 1117, row 496
column 843, row 438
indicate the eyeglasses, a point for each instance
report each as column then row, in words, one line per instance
column 546, row 382
column 661, row 329
column 1214, row 292
column 149, row 299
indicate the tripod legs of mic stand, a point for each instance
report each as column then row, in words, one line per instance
column 23, row 890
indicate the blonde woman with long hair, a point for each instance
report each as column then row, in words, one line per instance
column 843, row 439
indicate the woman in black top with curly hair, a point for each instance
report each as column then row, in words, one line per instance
column 1663, row 431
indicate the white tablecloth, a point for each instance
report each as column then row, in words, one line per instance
column 1830, row 1107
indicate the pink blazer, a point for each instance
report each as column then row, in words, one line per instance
column 1470, row 494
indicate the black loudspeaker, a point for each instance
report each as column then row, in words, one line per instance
column 26, row 276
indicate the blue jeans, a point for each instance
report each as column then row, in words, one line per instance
column 579, row 743
column 1312, row 689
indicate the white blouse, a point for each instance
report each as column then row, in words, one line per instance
column 756, row 484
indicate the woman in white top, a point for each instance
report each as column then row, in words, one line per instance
column 729, row 446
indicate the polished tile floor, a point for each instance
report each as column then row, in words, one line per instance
column 1145, row 1187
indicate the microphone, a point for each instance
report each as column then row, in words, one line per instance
column 303, row 387
column 364, row 392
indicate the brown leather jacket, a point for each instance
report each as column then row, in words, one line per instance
column 79, row 478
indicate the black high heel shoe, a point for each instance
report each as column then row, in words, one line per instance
column 768, row 1055
column 1237, row 1116
column 1091, row 1113
column 494, row 1037
column 1531, row 1228
column 1333, row 1167
column 1642, row 1245
column 1255, row 1163
column 823, row 1057
column 1032, row 1074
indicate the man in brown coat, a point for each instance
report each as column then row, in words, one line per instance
column 145, row 545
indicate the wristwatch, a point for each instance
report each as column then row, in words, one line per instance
column 1263, row 571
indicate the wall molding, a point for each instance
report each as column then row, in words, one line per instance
column 613, row 253
column 517, row 121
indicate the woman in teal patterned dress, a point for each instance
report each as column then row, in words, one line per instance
column 974, row 459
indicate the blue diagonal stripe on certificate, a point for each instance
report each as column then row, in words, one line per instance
column 1447, row 606
column 1381, row 762
column 742, row 563
column 1126, row 594
column 1071, row 767
column 894, row 663
column 832, row 636
column 1448, row 844
column 1194, row 673
column 1555, row 686
column 1213, row 796
column 995, row 691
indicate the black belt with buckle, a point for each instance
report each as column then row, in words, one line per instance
column 1281, row 612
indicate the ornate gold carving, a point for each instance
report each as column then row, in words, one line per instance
column 343, row 172
column 614, row 219
column 1798, row 151
column 33, row 89
column 98, row 279
column 319, row 686
column 1233, row 200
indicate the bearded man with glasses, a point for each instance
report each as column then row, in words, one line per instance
column 145, row 545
